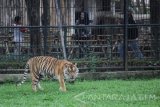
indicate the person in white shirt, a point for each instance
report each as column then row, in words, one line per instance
column 18, row 35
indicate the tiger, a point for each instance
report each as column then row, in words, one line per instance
column 40, row 66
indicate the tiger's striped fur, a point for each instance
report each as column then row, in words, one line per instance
column 42, row 65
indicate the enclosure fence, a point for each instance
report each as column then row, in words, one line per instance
column 55, row 28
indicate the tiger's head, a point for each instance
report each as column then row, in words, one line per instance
column 71, row 72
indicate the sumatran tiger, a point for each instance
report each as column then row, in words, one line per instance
column 44, row 65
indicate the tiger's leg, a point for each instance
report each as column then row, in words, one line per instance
column 38, row 84
column 34, row 82
column 62, row 83
column 34, row 85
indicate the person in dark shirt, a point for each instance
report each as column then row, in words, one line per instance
column 132, row 39
column 132, row 31
column 82, row 19
column 82, row 32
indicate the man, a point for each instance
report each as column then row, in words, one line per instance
column 132, row 36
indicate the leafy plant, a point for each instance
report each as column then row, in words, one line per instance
column 93, row 61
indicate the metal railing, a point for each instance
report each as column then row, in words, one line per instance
column 95, row 50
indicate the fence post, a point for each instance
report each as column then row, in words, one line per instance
column 125, row 37
column 46, row 22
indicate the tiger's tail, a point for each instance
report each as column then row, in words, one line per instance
column 24, row 75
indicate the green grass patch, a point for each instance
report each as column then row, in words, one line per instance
column 106, row 93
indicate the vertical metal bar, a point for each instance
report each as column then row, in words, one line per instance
column 45, row 23
column 125, row 37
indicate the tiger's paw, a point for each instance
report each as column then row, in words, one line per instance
column 62, row 89
column 34, row 89
column 41, row 89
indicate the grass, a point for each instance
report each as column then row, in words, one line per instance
column 104, row 93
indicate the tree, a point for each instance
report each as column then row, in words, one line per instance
column 33, row 11
column 155, row 19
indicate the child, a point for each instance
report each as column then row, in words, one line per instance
column 18, row 35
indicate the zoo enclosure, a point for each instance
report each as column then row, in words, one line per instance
column 48, row 20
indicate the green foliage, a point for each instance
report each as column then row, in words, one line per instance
column 12, row 62
column 12, row 65
column 93, row 62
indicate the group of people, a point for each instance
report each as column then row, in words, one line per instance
column 83, row 19
column 132, row 33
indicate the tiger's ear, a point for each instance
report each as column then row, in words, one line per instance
column 75, row 64
column 66, row 65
